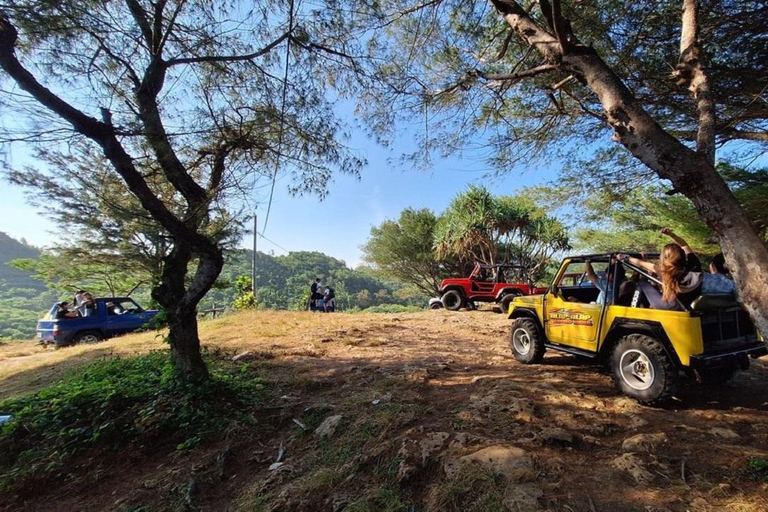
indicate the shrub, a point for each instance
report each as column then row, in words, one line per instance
column 118, row 402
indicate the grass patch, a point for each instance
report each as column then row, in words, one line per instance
column 481, row 491
column 110, row 404
column 385, row 500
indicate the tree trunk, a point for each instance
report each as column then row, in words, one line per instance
column 180, row 303
column 690, row 172
column 185, row 345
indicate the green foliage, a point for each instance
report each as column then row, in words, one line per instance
column 244, row 298
column 759, row 468
column 118, row 402
column 403, row 249
column 11, row 249
column 493, row 229
column 467, row 86
column 282, row 282
column 631, row 220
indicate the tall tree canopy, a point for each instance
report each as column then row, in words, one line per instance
column 661, row 77
column 493, row 229
column 189, row 103
column 404, row 249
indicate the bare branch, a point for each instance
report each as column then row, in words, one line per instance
column 538, row 70
column 230, row 58
column 140, row 16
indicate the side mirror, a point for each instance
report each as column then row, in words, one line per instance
column 554, row 290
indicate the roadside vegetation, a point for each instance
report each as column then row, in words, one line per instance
column 113, row 404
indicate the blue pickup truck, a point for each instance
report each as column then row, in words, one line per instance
column 112, row 316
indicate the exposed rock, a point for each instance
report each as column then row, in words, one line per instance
column 328, row 427
column 636, row 422
column 725, row 433
column 633, row 465
column 414, row 454
column 462, row 439
column 523, row 408
column 644, row 442
column 431, row 444
column 522, row 497
column 244, row 356
column 555, row 435
column 514, row 463
column 275, row 465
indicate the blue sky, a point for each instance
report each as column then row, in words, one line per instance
column 336, row 226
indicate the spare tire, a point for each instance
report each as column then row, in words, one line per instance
column 452, row 300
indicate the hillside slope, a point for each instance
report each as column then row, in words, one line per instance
column 422, row 411
column 11, row 249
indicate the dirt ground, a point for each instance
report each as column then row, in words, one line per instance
column 421, row 411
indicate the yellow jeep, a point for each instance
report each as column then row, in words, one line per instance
column 648, row 349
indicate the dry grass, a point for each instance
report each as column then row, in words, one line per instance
column 27, row 367
column 438, row 371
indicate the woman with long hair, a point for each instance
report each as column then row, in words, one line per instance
column 678, row 269
column 678, row 283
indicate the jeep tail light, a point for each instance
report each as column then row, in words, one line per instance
column 56, row 329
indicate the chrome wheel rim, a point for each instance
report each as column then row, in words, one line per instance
column 521, row 340
column 637, row 370
column 89, row 338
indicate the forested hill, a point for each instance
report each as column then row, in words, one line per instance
column 282, row 282
column 10, row 277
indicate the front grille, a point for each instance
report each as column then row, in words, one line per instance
column 719, row 327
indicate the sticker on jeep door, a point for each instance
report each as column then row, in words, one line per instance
column 564, row 316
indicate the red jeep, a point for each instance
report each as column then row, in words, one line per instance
column 487, row 283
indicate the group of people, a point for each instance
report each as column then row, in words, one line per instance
column 679, row 270
column 83, row 304
column 321, row 298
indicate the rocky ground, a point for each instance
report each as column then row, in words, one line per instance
column 429, row 411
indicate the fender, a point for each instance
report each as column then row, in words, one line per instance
column 623, row 326
column 528, row 313
column 451, row 287
column 514, row 290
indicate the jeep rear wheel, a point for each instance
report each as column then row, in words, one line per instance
column 525, row 341
column 506, row 300
column 642, row 369
column 87, row 337
column 452, row 300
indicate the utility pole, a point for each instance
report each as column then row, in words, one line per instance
column 253, row 263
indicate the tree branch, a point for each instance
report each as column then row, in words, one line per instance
column 690, row 73
column 99, row 132
column 140, row 16
column 538, row 70
column 229, row 58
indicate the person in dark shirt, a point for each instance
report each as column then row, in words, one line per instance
column 63, row 311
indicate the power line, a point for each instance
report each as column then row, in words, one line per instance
column 282, row 110
column 273, row 243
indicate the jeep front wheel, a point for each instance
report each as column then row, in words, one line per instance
column 452, row 300
column 526, row 342
column 642, row 369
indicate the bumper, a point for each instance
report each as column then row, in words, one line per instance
column 733, row 358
